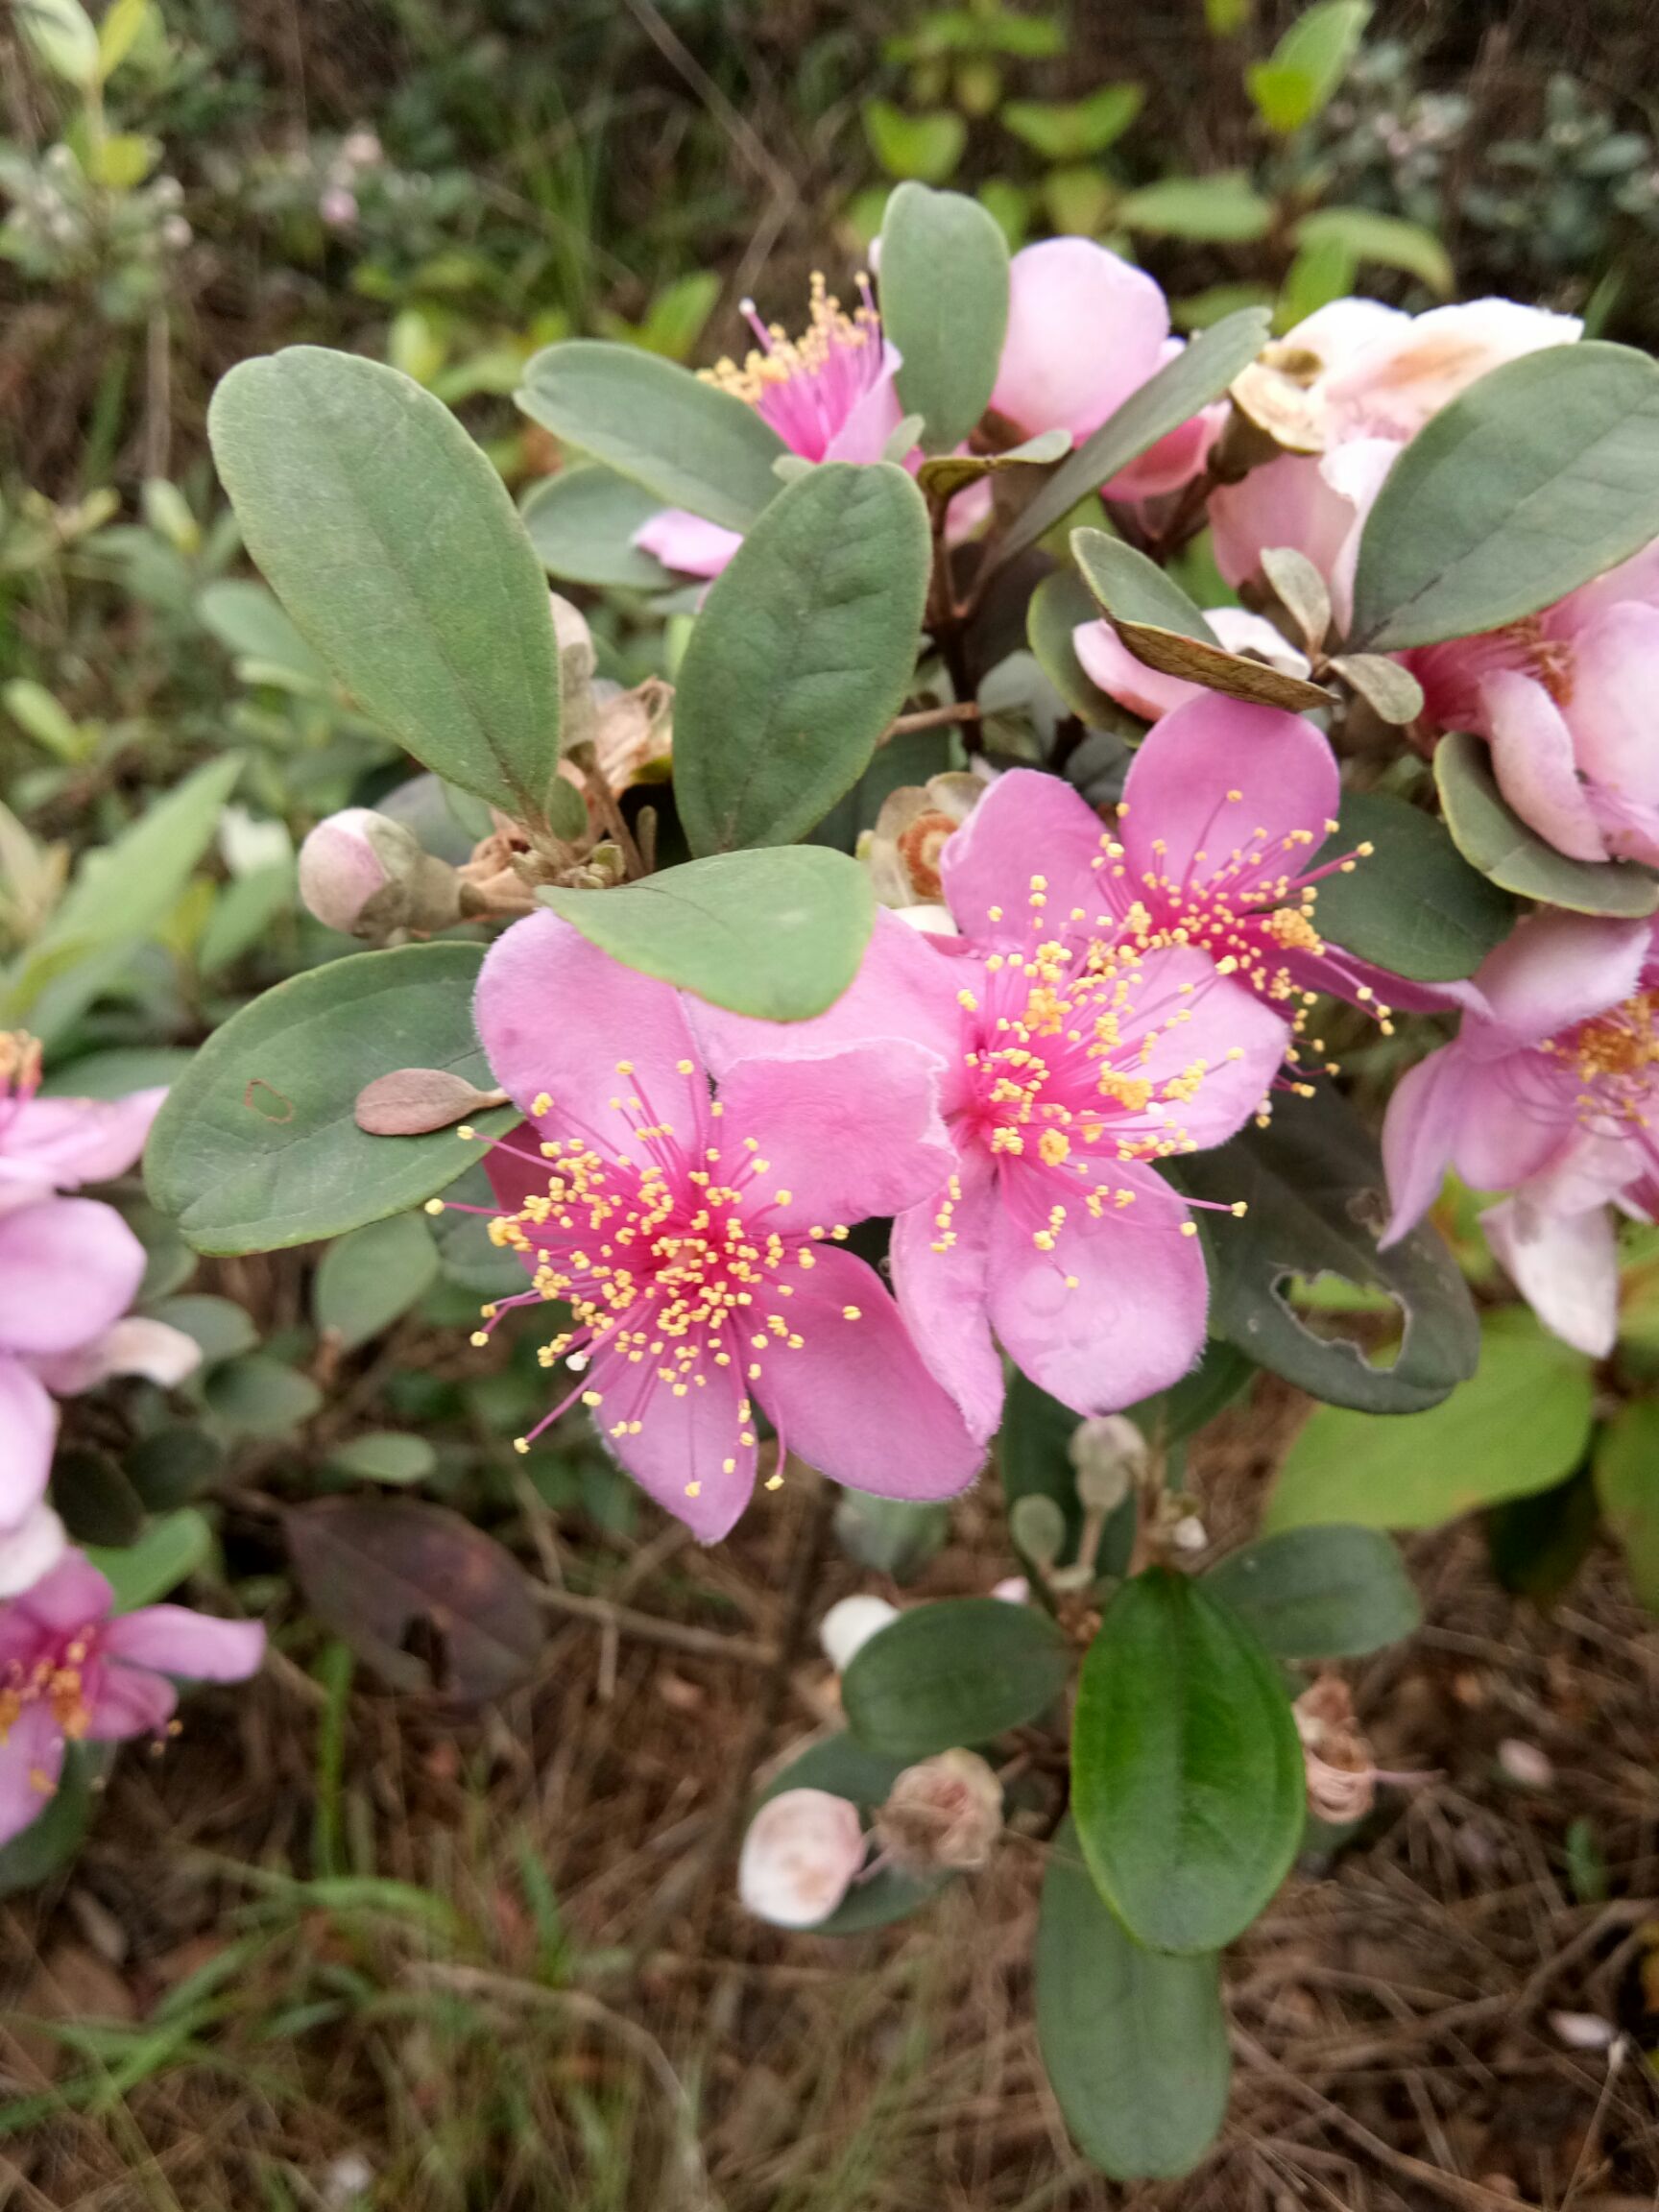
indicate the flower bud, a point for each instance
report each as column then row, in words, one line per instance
column 366, row 875
column 1108, row 1455
column 903, row 851
column 849, row 1625
column 941, row 1815
column 803, row 1849
column 1341, row 1772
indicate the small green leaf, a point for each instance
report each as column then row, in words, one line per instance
column 221, row 1328
column 948, row 472
column 1540, row 476
column 54, row 1836
column 1132, row 588
column 1392, row 693
column 395, row 547
column 944, row 306
column 801, row 657
column 63, row 38
column 1223, row 210
column 248, row 620
column 384, row 1456
column 1413, row 905
column 844, row 1769
column 1201, row 372
column 925, row 147
column 689, row 443
column 169, row 1551
column 1307, row 64
column 1134, row 2041
column 260, row 1396
column 367, row 1280
column 960, row 1672
column 1074, row 129
column 1383, row 239
column 256, row 1146
column 1186, row 1772
column 1520, row 1424
column 1060, row 604
column 1492, row 838
column 778, row 933
column 582, row 525
column 1331, row 1592
column 1628, row 1485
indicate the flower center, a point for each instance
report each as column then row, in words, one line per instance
column 1612, row 1056
column 56, row 1679
column 806, row 386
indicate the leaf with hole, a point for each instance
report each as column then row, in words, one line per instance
column 256, row 1146
column 960, row 1672
column 395, row 547
column 1186, row 1772
column 1492, row 838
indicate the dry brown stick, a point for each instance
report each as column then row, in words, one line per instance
column 706, row 1643
column 931, row 718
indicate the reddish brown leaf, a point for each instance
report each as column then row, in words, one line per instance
column 414, row 1101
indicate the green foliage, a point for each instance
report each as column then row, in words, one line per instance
column 1075, row 130
column 1492, row 838
column 944, row 306
column 582, row 525
column 367, row 1280
column 1626, row 1470
column 1332, row 1591
column 924, row 148
column 1414, row 904
column 1223, row 210
column 958, row 1672
column 171, row 1550
column 1307, row 64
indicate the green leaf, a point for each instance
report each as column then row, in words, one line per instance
column 944, row 306
column 1223, row 210
column 1537, row 478
column 1307, row 64
column 1201, row 372
column 367, row 1280
column 119, row 33
column 961, row 1671
column 1323, row 270
column 948, row 472
column 582, row 525
column 256, row 1147
column 1520, row 1424
column 1058, row 606
column 894, row 1536
column 1075, row 130
column 1537, row 1543
column 248, row 620
column 1162, row 627
column 52, row 1840
column 169, row 1551
column 1492, row 838
column 1384, row 239
column 395, row 547
column 778, row 933
column 844, row 1769
column 801, row 658
column 1628, row 1485
column 1315, row 1190
column 1034, row 1459
column 63, row 36
column 1134, row 2041
column 1222, row 1375
column 1331, row 1592
column 689, row 443
column 261, row 1395
column 383, row 1456
column 1392, row 692
column 1186, row 1773
column 221, row 1329
column 925, row 147
column 1414, row 906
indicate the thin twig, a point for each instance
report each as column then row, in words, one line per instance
column 624, row 1621
column 931, row 718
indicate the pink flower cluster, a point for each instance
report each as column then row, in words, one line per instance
column 1004, row 1086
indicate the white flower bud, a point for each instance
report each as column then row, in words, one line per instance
column 803, row 1849
column 943, row 1815
column 1108, row 1454
column 365, row 875
column 849, row 1625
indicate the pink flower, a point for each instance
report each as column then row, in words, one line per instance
column 1548, row 1092
column 1069, row 1065
column 1565, row 699
column 1109, row 663
column 1086, row 330
column 50, row 1145
column 1316, row 504
column 697, row 1240
column 68, row 1673
column 830, row 395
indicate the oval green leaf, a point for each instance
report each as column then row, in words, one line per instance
column 1492, row 838
column 394, row 546
column 1414, row 906
column 801, row 657
column 944, row 306
column 1627, row 1488
column 689, row 443
column 1520, row 1424
column 1316, row 1198
column 778, row 933
column 1538, row 477
column 1321, row 1593
column 961, row 1671
column 1057, row 607
column 582, row 525
column 1134, row 2041
column 256, row 1148
column 170, row 1550
column 368, row 1279
column 1186, row 1772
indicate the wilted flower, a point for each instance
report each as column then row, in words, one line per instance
column 1341, row 1773
column 368, row 876
column 68, row 1673
column 800, row 1857
column 697, row 1239
column 941, row 1815
column 903, row 851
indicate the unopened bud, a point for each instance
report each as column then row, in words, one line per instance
column 803, row 1849
column 1038, row 1527
column 1108, row 1455
column 366, row 875
column 849, row 1625
column 941, row 1815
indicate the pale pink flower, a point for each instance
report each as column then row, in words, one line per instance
column 49, row 1145
column 1108, row 662
column 69, row 1672
column 801, row 1855
column 1315, row 505
column 698, row 1238
column 1548, row 1092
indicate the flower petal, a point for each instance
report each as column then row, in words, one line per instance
column 1393, row 386
column 688, row 1452
column 69, row 1268
column 686, row 544
column 1556, row 969
column 31, row 1761
column 1564, row 1265
column 1106, row 661
column 1212, row 1064
column 76, row 1141
column 1085, row 329
column 1532, row 761
column 1615, row 685
column 129, row 1701
column 30, row 1550
column 854, row 1399
column 1132, row 1324
column 1420, row 1134
column 173, row 1640
column 73, row 1595
column 1028, row 830
column 944, row 1295
column 137, row 1345
column 847, row 1134
column 28, row 1438
column 863, row 436
column 558, row 1016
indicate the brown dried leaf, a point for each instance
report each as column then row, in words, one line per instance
column 1232, row 673
column 414, row 1101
